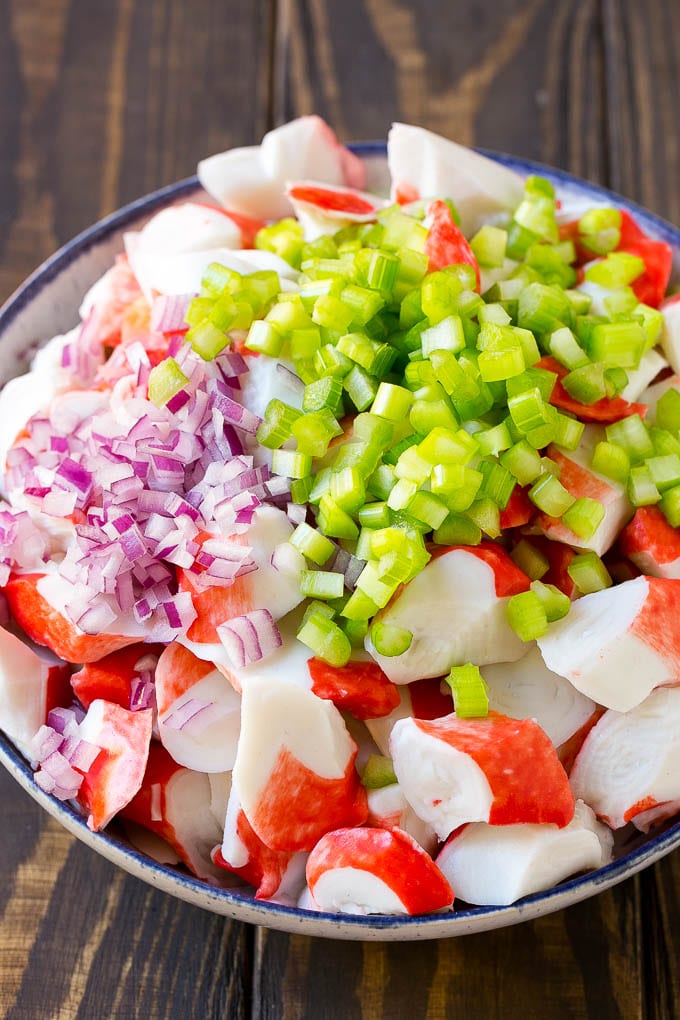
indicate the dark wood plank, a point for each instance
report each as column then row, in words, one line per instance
column 101, row 103
column 585, row 961
column 520, row 77
column 642, row 119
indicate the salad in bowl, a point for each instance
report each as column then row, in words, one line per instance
column 338, row 539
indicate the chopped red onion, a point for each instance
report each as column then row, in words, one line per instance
column 296, row 513
column 291, row 378
column 250, row 637
column 168, row 312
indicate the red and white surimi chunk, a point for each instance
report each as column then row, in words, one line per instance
column 198, row 711
column 652, row 543
column 629, row 764
column 578, row 477
column 220, row 789
column 175, row 803
column 670, row 336
column 294, row 768
column 275, row 874
column 324, row 209
column 277, row 590
column 527, row 689
column 494, row 864
column 432, row 166
column 423, row 699
column 375, row 871
column 252, row 180
column 287, row 664
column 30, row 685
column 617, row 645
column 118, row 771
column 456, row 610
column 389, row 809
column 492, row 769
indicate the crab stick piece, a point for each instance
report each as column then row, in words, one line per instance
column 580, row 480
column 175, row 803
column 198, row 711
column 425, row 165
column 268, row 587
column 422, row 699
column 490, row 864
column 640, row 378
column 468, row 585
column 359, row 687
column 190, row 226
column 30, row 686
column 375, row 871
column 629, row 764
column 389, row 809
column 116, row 774
column 295, row 769
column 492, row 769
column 325, row 209
column 274, row 874
column 108, row 300
column 112, row 677
column 252, row 180
column 527, row 689
column 46, row 625
column 652, row 544
column 617, row 645
column 670, row 335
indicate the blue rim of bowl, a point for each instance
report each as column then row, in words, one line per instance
column 225, row 901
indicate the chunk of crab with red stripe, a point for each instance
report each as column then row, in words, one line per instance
column 652, row 543
column 267, row 587
column 527, row 689
column 617, row 645
column 118, row 771
column 578, row 477
column 48, row 626
column 499, row 864
column 492, row 769
column 429, row 698
column 295, row 766
column 470, row 585
column 629, row 766
column 389, row 809
column 114, row 677
column 325, row 209
column 277, row 875
column 425, row 165
column 175, row 803
column 375, row 871
column 31, row 684
column 253, row 180
column 198, row 711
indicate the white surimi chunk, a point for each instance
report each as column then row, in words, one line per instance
column 455, row 616
column 578, row 477
column 499, row 864
column 651, row 363
column 617, row 645
column 388, row 809
column 670, row 335
column 436, row 167
column 355, row 891
column 209, row 746
column 630, row 762
column 527, row 689
column 444, row 786
column 24, row 677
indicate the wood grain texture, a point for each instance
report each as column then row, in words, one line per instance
column 103, row 101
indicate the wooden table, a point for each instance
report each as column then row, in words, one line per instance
column 104, row 100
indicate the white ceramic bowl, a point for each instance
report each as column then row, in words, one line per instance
column 46, row 304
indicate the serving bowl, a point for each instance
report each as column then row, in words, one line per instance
column 47, row 304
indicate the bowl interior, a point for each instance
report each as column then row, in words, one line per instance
column 47, row 304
